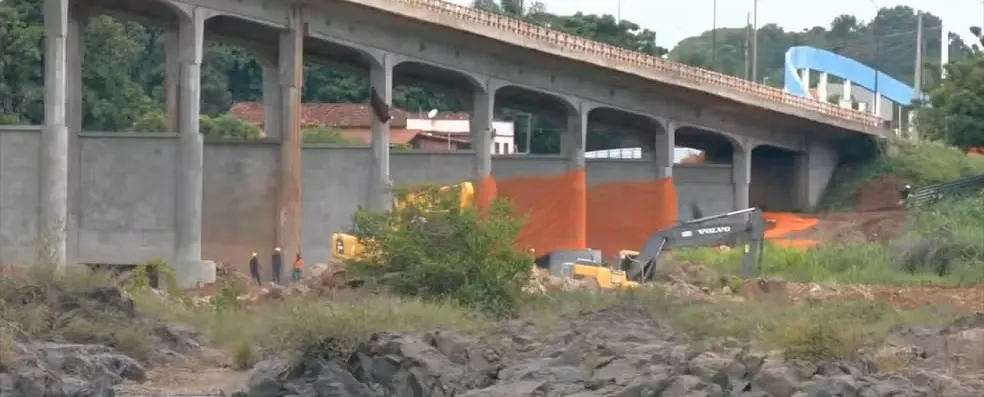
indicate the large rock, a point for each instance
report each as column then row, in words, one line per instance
column 69, row 370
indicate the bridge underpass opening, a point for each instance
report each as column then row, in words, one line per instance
column 628, row 199
column 439, row 106
column 773, row 180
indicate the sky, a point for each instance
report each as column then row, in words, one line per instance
column 674, row 20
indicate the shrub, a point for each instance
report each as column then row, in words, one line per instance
column 243, row 357
column 445, row 252
column 325, row 134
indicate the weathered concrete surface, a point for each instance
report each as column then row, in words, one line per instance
column 127, row 192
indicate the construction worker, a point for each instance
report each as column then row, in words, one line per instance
column 277, row 265
column 254, row 267
column 298, row 268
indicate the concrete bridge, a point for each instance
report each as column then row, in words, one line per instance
column 111, row 198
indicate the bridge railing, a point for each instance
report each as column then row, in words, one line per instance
column 677, row 70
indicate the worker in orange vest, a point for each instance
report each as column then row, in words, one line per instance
column 298, row 267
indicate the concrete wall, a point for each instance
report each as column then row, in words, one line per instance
column 126, row 188
column 127, row 185
column 19, row 171
column 709, row 185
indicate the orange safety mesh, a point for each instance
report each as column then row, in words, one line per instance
column 554, row 207
column 787, row 224
column 622, row 215
column 485, row 192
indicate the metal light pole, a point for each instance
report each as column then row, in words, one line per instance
column 874, row 28
column 755, row 47
column 714, row 36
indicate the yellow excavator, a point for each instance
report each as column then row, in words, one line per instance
column 348, row 246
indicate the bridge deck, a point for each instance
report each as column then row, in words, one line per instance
column 517, row 32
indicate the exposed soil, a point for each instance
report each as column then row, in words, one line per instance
column 854, row 227
column 879, row 194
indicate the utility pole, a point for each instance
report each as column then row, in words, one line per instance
column 917, row 76
column 714, row 35
column 748, row 33
column 755, row 47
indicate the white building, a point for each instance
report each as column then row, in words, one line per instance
column 453, row 125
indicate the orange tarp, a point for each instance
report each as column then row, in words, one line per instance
column 787, row 224
column 554, row 207
column 622, row 215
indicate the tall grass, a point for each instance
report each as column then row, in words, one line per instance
column 944, row 244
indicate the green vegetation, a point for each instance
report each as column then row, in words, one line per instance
column 918, row 164
column 442, row 252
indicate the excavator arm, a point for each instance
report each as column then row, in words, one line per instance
column 745, row 227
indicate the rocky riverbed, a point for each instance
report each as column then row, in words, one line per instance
column 622, row 352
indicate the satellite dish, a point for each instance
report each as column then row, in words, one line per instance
column 432, row 113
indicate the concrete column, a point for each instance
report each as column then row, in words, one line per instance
column 846, row 95
column 572, row 142
column 665, row 145
column 483, row 103
column 822, row 87
column 172, row 79
column 53, row 203
column 741, row 163
column 75, row 52
column 291, row 65
column 381, row 79
column 805, row 76
column 271, row 100
column 573, row 145
column 189, row 165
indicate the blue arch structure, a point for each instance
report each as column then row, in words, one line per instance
column 805, row 57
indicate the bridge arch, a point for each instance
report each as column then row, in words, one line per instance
column 430, row 75
column 614, row 128
column 551, row 111
column 715, row 147
column 806, row 57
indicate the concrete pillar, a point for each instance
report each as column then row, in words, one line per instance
column 805, row 76
column 75, row 53
column 846, row 95
column 573, row 146
column 664, row 153
column 822, row 87
column 483, row 102
column 53, row 203
column 189, row 164
column 381, row 79
column 741, row 168
column 271, row 100
column 172, row 79
column 291, row 65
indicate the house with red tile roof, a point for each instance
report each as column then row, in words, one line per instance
column 443, row 131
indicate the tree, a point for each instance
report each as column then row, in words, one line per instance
column 956, row 111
